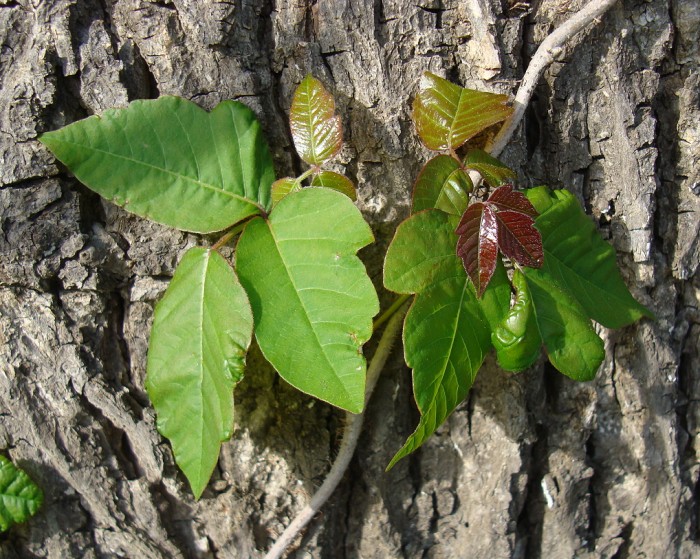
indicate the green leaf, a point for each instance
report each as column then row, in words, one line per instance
column 571, row 343
column 312, row 299
column 201, row 331
column 491, row 169
column 442, row 184
column 447, row 329
column 172, row 162
column 335, row 181
column 316, row 129
column 447, row 115
column 516, row 338
column 20, row 497
column 580, row 261
column 282, row 187
column 446, row 338
column 421, row 252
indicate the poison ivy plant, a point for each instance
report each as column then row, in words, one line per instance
column 20, row 497
column 489, row 267
column 448, row 254
column 302, row 292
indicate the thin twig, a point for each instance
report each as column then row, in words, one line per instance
column 353, row 428
column 543, row 57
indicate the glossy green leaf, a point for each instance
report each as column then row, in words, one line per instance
column 201, row 331
column 312, row 299
column 442, row 184
column 580, row 261
column 172, row 162
column 572, row 344
column 446, row 115
column 316, row 129
column 446, row 338
column 282, row 187
column 20, row 497
column 335, row 181
column 447, row 330
column 516, row 338
column 491, row 169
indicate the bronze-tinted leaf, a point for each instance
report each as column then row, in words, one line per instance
column 491, row 169
column 282, row 187
column 477, row 244
column 335, row 181
column 316, row 130
column 505, row 198
column 447, row 115
column 518, row 239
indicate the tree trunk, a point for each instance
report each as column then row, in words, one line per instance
column 531, row 465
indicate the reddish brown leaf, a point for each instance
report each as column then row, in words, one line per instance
column 505, row 198
column 477, row 244
column 518, row 239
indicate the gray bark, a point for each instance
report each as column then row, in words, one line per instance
column 532, row 465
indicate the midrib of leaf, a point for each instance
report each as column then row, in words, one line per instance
column 310, row 123
column 441, row 376
column 200, row 383
column 301, row 303
column 167, row 171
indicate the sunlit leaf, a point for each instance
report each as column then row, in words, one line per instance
column 312, row 300
column 579, row 260
column 516, row 339
column 518, row 239
column 447, row 115
column 316, row 129
column 491, row 169
column 282, row 187
column 572, row 344
column 201, row 331
column 20, row 497
column 447, row 330
column 335, row 181
column 442, row 184
column 172, row 162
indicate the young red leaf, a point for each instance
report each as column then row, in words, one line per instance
column 477, row 244
column 505, row 198
column 316, row 129
column 518, row 239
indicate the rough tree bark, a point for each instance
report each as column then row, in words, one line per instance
column 532, row 465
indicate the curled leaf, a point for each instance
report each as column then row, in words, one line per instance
column 447, row 115
column 516, row 339
column 316, row 129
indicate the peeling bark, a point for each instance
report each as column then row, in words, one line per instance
column 531, row 465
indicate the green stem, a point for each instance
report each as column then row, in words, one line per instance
column 387, row 314
column 229, row 235
column 310, row 171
